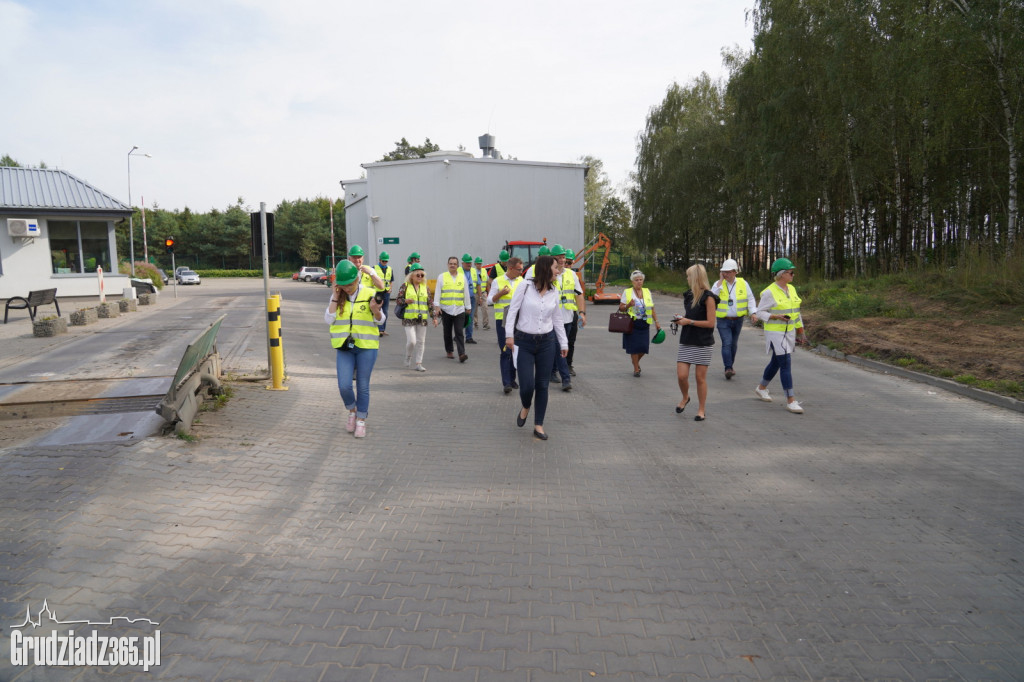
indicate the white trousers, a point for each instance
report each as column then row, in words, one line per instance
column 415, row 342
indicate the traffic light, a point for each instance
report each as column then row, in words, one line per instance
column 169, row 243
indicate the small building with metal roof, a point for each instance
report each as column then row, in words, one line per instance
column 56, row 231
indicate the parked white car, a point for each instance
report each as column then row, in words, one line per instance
column 188, row 277
column 309, row 274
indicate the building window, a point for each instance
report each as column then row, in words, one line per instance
column 79, row 246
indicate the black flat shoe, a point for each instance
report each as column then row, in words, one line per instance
column 521, row 420
column 538, row 434
column 679, row 410
column 699, row 418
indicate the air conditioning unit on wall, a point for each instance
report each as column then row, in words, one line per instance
column 23, row 227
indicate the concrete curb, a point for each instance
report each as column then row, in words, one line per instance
column 1003, row 401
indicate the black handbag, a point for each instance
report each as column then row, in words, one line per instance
column 620, row 323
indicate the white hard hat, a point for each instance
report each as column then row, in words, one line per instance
column 730, row 264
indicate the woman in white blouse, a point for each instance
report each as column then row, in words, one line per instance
column 533, row 324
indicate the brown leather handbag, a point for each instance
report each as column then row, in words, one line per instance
column 620, row 323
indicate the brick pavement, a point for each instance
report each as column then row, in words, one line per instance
column 877, row 536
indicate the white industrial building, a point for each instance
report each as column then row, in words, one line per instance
column 55, row 232
column 452, row 203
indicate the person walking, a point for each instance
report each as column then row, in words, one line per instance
column 451, row 304
column 779, row 309
column 639, row 304
column 697, row 338
column 533, row 327
column 580, row 316
column 472, row 291
column 480, row 278
column 735, row 301
column 416, row 299
column 414, row 257
column 368, row 276
column 354, row 316
column 501, row 292
column 387, row 275
column 570, row 301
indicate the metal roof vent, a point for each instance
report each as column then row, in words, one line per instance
column 487, row 147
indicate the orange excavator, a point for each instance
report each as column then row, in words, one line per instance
column 600, row 241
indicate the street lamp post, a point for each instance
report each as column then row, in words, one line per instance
column 131, row 216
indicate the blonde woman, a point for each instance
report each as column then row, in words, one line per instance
column 414, row 295
column 638, row 302
column 696, row 339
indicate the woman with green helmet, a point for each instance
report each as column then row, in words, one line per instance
column 354, row 315
column 779, row 309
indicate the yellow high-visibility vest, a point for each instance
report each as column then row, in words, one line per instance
column 387, row 274
column 648, row 302
column 739, row 295
column 502, row 302
column 568, row 291
column 786, row 303
column 356, row 321
column 453, row 289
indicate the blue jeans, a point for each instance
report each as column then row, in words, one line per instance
column 356, row 364
column 729, row 330
column 508, row 370
column 562, row 364
column 384, row 308
column 535, row 361
column 781, row 365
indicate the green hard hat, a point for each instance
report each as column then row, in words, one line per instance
column 544, row 251
column 782, row 264
column 356, row 250
column 478, row 260
column 384, row 256
column 345, row 273
column 414, row 267
column 659, row 337
column 466, row 258
column 503, row 256
column 414, row 254
column 557, row 250
column 570, row 254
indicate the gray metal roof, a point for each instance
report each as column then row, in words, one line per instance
column 44, row 190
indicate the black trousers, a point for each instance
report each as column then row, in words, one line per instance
column 571, row 333
column 456, row 324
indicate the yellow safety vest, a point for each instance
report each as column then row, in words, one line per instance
column 478, row 278
column 417, row 301
column 502, row 302
column 453, row 289
column 387, row 275
column 648, row 302
column 786, row 303
column 568, row 299
column 739, row 292
column 357, row 322
column 498, row 270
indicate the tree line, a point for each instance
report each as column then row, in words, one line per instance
column 856, row 137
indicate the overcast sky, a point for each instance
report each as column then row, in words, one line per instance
column 280, row 99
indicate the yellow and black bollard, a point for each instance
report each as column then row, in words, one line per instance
column 276, row 345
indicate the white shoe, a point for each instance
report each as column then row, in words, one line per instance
column 762, row 393
column 421, row 368
column 794, row 407
column 408, row 361
column 350, row 425
column 360, row 429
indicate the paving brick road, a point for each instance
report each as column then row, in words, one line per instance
column 876, row 537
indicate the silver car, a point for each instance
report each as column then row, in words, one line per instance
column 188, row 277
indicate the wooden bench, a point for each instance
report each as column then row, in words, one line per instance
column 34, row 300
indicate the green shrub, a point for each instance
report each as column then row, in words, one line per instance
column 143, row 270
column 229, row 273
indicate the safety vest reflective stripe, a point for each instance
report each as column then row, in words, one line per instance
column 739, row 295
column 387, row 275
column 786, row 303
column 568, row 291
column 356, row 321
column 453, row 289
column 416, row 300
column 501, row 303
column 648, row 302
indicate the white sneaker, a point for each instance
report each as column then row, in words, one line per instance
column 421, row 368
column 408, row 361
column 360, row 429
column 794, row 407
column 762, row 393
column 350, row 425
